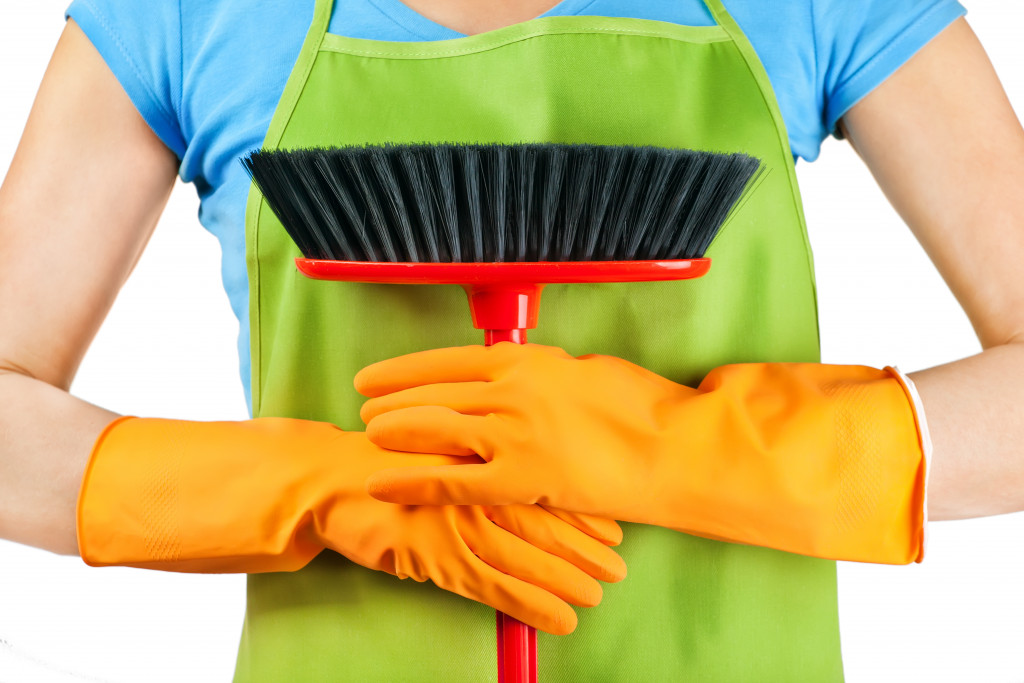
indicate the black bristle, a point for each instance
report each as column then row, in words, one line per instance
column 288, row 201
column 352, row 214
column 524, row 165
column 495, row 202
column 421, row 202
column 677, row 201
column 620, row 217
column 439, row 175
column 381, row 231
column 580, row 169
column 324, row 208
column 649, row 204
column 472, row 222
column 397, row 220
column 551, row 174
column 606, row 179
column 496, row 192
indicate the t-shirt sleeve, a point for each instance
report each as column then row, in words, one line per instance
column 860, row 43
column 141, row 43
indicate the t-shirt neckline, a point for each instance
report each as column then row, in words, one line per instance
column 428, row 29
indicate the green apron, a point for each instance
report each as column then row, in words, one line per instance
column 691, row 609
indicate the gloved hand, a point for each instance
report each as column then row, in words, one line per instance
column 813, row 459
column 270, row 494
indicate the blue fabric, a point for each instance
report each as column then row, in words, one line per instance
column 207, row 74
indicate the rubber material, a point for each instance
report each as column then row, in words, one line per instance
column 268, row 495
column 821, row 460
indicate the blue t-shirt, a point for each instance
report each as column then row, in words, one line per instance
column 206, row 75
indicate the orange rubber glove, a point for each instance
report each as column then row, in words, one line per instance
column 813, row 459
column 270, row 494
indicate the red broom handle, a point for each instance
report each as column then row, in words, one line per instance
column 504, row 312
column 517, row 642
column 517, row 650
column 492, row 337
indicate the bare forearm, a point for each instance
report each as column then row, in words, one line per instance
column 975, row 413
column 46, row 436
column 947, row 149
column 81, row 198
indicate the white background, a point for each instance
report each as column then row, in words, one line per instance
column 168, row 349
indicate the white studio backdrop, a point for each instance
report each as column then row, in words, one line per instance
column 168, row 349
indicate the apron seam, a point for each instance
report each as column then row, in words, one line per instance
column 326, row 47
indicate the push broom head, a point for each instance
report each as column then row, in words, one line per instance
column 480, row 203
column 501, row 220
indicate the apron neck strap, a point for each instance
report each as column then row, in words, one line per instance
column 720, row 14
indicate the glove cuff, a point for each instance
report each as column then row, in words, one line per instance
column 89, row 524
column 204, row 496
column 820, row 460
column 925, row 442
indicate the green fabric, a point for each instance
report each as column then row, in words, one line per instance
column 691, row 609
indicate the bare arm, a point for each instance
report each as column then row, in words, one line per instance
column 944, row 144
column 78, row 205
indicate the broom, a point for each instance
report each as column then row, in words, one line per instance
column 502, row 220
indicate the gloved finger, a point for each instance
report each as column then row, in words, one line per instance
column 528, row 603
column 605, row 530
column 453, row 364
column 429, row 429
column 511, row 555
column 541, row 529
column 470, row 398
column 471, row 484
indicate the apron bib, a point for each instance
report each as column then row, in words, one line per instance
column 691, row 609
